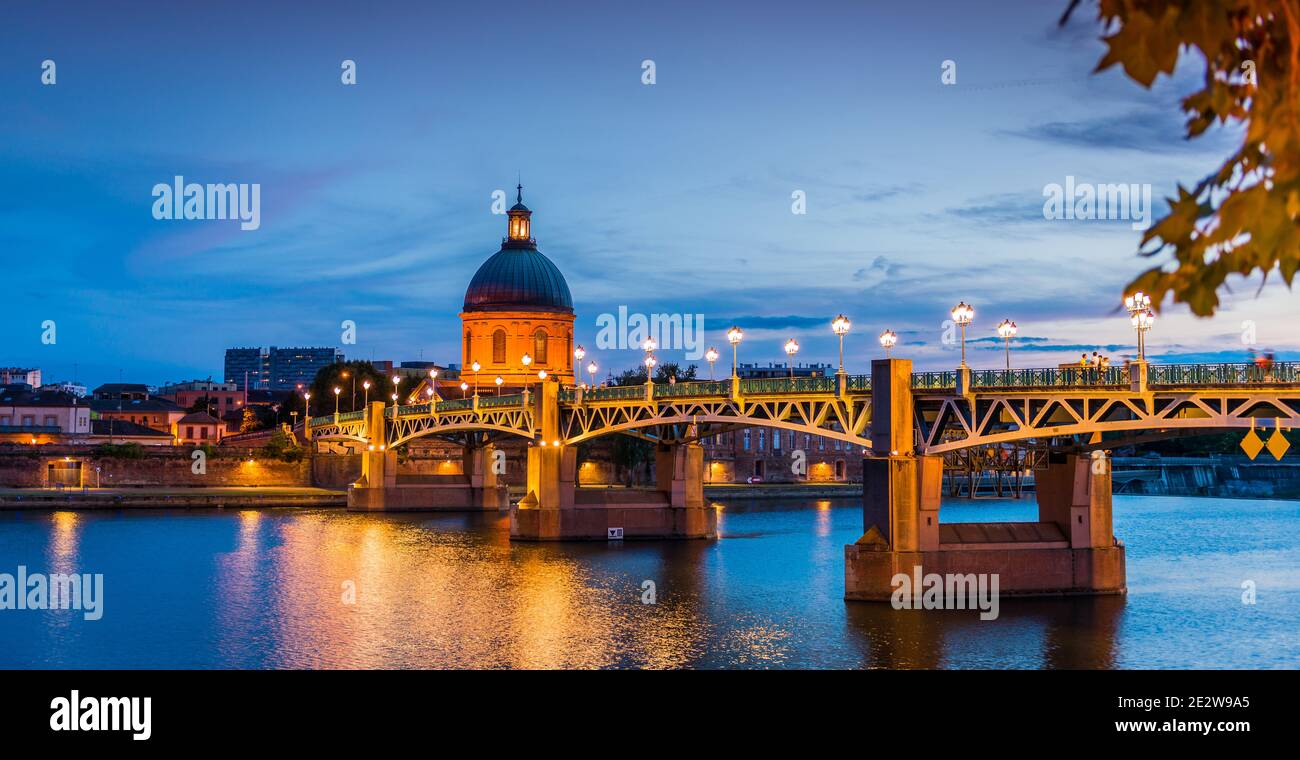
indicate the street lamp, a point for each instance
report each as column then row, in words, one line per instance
column 841, row 327
column 791, row 348
column 887, row 340
column 1007, row 331
column 366, row 384
column 1142, row 321
column 649, row 345
column 650, row 363
column 591, row 372
column 464, row 387
column 711, row 356
column 337, row 391
column 433, row 383
column 498, row 381
column 579, row 353
column 1141, row 317
column 397, row 379
column 734, row 336
column 307, row 404
column 476, row 367
column 962, row 314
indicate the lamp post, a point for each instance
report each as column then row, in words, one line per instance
column 962, row 314
column 1007, row 331
column 476, row 367
column 841, row 327
column 711, row 356
column 734, row 336
column 433, row 384
column 306, row 396
column 397, row 380
column 464, row 389
column 1141, row 317
column 591, row 372
column 791, row 348
column 579, row 353
column 526, row 360
column 366, row 384
column 650, row 363
column 887, row 340
column 499, row 380
column 337, row 391
column 394, row 397
column 1142, row 322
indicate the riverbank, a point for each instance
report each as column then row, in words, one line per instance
column 232, row 497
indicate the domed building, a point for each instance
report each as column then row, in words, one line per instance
column 518, row 313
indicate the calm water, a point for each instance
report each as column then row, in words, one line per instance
column 259, row 589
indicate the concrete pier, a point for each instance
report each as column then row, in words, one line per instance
column 381, row 489
column 1071, row 549
column 555, row 509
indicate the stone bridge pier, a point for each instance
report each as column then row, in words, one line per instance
column 1071, row 549
column 555, row 509
column 382, row 489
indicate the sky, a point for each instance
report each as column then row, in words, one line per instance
column 675, row 197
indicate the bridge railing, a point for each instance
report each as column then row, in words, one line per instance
column 1241, row 373
column 788, row 385
column 324, row 419
column 693, row 389
column 615, row 393
column 1049, row 377
column 858, row 383
column 499, row 402
column 931, row 381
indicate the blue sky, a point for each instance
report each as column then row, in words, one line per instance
column 671, row 198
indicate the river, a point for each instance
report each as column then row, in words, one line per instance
column 329, row 589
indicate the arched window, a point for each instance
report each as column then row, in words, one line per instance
column 539, row 346
column 499, row 346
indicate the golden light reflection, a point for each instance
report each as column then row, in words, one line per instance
column 430, row 593
column 64, row 542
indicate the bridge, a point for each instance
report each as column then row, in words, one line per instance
column 903, row 421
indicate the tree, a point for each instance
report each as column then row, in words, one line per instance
column 1244, row 217
column 332, row 376
column 250, row 421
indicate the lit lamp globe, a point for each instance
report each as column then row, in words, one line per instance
column 591, row 372
column 579, row 353
column 791, row 348
column 887, row 340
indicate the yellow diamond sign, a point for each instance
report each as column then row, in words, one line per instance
column 1251, row 444
column 1277, row 444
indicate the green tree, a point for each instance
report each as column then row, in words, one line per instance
column 1243, row 217
column 250, row 421
column 343, row 375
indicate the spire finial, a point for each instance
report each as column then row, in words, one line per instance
column 519, row 197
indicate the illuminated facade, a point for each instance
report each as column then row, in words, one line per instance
column 518, row 314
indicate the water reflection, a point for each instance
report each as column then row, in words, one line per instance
column 330, row 589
